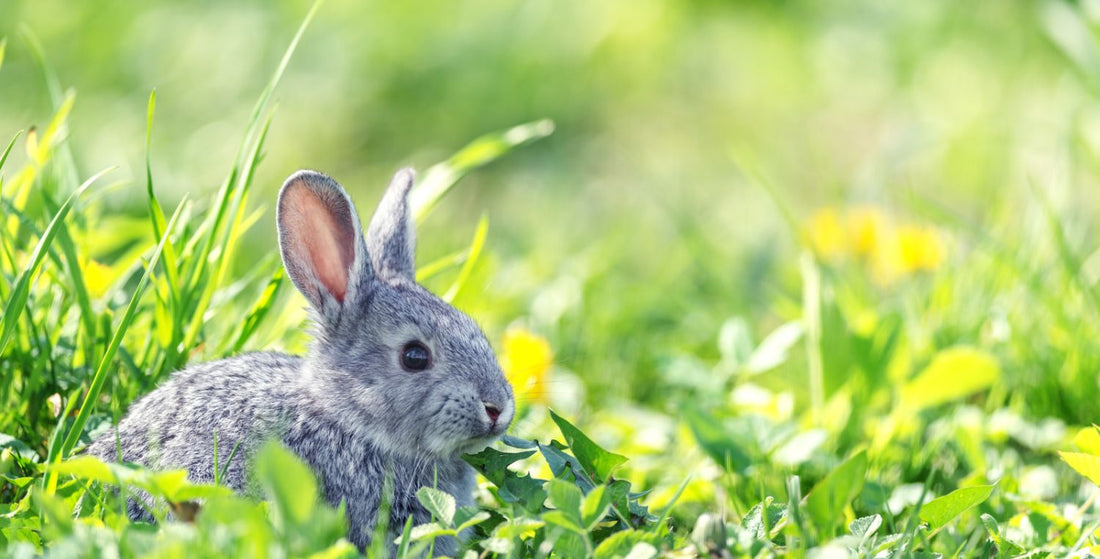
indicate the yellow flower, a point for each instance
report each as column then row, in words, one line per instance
column 865, row 234
column 97, row 277
column 526, row 358
column 919, row 248
column 866, row 227
column 825, row 233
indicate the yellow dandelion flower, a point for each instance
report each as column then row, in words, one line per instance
column 919, row 249
column 526, row 358
column 866, row 227
column 97, row 277
column 825, row 232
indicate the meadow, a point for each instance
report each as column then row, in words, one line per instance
column 807, row 279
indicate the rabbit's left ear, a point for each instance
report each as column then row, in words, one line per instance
column 391, row 238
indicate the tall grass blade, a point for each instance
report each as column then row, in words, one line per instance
column 58, row 98
column 259, row 310
column 811, row 304
column 15, row 304
column 112, row 348
column 229, row 240
column 7, row 150
column 156, row 211
column 471, row 261
column 439, row 178
column 77, row 281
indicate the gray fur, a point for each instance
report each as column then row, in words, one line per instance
column 391, row 238
column 348, row 408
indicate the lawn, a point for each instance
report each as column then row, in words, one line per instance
column 767, row 278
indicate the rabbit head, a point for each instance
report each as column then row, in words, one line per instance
column 391, row 361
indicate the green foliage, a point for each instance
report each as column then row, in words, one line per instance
column 938, row 512
column 825, row 504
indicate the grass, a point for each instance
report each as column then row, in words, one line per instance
column 873, row 379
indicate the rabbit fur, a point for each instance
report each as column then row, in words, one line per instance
column 351, row 408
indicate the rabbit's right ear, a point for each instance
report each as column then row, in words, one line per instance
column 321, row 241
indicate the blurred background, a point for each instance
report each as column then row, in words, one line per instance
column 938, row 160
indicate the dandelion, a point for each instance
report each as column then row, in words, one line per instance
column 826, row 234
column 865, row 234
column 919, row 249
column 97, row 278
column 526, row 358
column 866, row 228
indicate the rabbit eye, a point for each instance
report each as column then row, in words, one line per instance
column 415, row 357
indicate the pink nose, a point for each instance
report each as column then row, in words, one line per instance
column 493, row 411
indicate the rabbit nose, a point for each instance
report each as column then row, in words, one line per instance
column 493, row 410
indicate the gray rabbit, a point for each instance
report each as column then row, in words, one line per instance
column 396, row 381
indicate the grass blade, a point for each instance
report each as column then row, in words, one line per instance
column 439, row 178
column 259, row 310
column 471, row 261
column 112, row 348
column 7, row 150
column 15, row 304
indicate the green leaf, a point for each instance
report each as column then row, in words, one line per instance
column 759, row 525
column 8, row 441
column 288, row 483
column 522, row 527
column 563, row 520
column 595, row 506
column 1005, row 546
column 938, row 512
column 865, row 527
column 598, row 462
column 715, row 441
column 429, row 531
column 1088, row 440
column 735, row 342
column 565, row 466
column 567, row 498
column 439, row 503
column 1087, row 465
column 468, row 517
column 493, row 464
column 772, row 352
column 621, row 543
column 826, row 502
column 954, row 373
column 87, row 467
column 516, row 442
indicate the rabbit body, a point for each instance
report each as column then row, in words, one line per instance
column 262, row 396
column 396, row 383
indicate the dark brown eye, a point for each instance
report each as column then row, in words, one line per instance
column 415, row 357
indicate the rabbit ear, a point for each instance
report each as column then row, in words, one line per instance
column 391, row 238
column 321, row 241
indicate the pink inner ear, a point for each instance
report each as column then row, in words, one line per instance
column 325, row 234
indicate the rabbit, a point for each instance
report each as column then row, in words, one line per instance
column 396, row 380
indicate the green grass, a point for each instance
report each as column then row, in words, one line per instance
column 807, row 345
